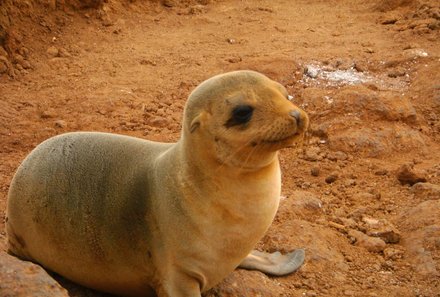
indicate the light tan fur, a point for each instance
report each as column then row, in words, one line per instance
column 133, row 217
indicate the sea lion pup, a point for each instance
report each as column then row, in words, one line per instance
column 138, row 218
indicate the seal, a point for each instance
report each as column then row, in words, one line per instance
column 139, row 218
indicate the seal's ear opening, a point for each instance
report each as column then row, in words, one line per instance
column 195, row 124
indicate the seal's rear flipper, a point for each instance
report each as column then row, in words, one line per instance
column 274, row 263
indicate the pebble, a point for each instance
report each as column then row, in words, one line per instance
column 311, row 71
column 331, row 178
column 46, row 114
column 407, row 175
column 158, row 121
column 315, row 171
column 382, row 229
column 306, row 200
column 371, row 244
column 392, row 253
column 3, row 67
column 312, row 154
column 60, row 124
column 3, row 52
column 337, row 156
column 52, row 52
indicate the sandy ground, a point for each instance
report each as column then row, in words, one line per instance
column 367, row 72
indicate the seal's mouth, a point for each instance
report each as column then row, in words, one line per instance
column 286, row 141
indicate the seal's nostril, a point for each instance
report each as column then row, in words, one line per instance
column 296, row 114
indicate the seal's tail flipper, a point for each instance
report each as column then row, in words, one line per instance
column 274, row 263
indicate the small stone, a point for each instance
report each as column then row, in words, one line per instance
column 389, row 19
column 382, row 229
column 62, row 52
column 331, row 178
column 106, row 20
column 169, row 3
column 46, row 114
column 397, row 73
column 371, row 244
column 158, row 121
column 311, row 71
column 60, row 124
column 315, row 171
column 426, row 191
column 392, row 253
column 350, row 182
column 408, row 176
column 3, row 67
column 335, row 156
column 26, row 65
column 306, row 200
column 3, row 52
column 337, row 226
column 18, row 59
column 312, row 154
column 363, row 197
column 381, row 172
column 234, row 60
column 52, row 52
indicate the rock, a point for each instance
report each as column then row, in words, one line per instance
column 3, row 67
column 3, row 52
column 389, row 19
column 63, row 53
column 363, row 197
column 312, row 154
column 371, row 244
column 25, row 279
column 422, row 237
column 169, row 3
column 408, row 176
column 331, row 178
column 306, row 200
column 336, row 156
column 383, row 141
column 392, row 253
column 60, row 124
column 311, row 71
column 426, row 191
column 382, row 229
column 158, row 121
column 247, row 283
column 314, row 171
column 47, row 114
column 26, row 65
column 18, row 59
column 52, row 52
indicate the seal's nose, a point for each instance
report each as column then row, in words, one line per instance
column 296, row 114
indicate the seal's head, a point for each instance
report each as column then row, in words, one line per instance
column 242, row 119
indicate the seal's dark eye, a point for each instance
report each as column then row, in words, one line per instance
column 240, row 115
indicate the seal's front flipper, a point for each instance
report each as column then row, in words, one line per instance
column 275, row 263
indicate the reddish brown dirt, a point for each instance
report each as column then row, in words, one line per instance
column 128, row 68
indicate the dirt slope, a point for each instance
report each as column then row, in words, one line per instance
column 367, row 72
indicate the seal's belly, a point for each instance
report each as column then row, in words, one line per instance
column 78, row 209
